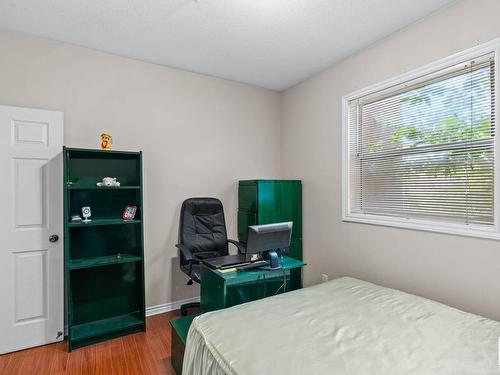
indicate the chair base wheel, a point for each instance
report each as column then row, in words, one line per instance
column 192, row 305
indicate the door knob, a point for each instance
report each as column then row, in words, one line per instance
column 54, row 238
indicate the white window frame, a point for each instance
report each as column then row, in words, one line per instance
column 492, row 232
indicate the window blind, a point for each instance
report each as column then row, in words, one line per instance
column 425, row 149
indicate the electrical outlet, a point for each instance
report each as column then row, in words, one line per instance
column 324, row 277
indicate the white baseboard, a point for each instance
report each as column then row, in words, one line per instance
column 171, row 306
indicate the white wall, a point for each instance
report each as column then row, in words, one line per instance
column 200, row 135
column 462, row 272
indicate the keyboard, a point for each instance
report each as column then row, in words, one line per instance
column 235, row 265
column 258, row 263
column 227, row 261
column 238, row 261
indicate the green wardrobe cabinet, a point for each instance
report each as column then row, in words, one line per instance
column 104, row 258
column 272, row 201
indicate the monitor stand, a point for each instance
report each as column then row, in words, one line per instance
column 273, row 260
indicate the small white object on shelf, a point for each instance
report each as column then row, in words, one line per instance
column 86, row 213
column 109, row 181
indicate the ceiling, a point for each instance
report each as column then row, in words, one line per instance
column 269, row 43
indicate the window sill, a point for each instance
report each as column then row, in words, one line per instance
column 428, row 226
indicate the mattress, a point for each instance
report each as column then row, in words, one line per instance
column 345, row 326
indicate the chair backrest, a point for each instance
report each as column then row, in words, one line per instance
column 202, row 226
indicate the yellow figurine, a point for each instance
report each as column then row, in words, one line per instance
column 107, row 141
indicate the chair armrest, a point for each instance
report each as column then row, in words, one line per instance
column 241, row 248
column 186, row 252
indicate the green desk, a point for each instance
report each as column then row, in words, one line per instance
column 225, row 289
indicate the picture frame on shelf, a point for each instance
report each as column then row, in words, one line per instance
column 129, row 212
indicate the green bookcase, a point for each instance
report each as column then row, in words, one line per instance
column 272, row 201
column 104, row 259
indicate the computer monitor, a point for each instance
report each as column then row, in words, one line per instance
column 269, row 240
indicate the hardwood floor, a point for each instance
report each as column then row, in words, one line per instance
column 139, row 353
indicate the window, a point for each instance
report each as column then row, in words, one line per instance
column 420, row 151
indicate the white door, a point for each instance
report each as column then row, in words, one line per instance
column 31, row 265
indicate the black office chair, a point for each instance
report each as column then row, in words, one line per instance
column 202, row 235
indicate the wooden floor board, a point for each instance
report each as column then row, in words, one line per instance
column 89, row 364
column 76, row 362
column 4, row 362
column 30, row 362
column 118, row 366
column 15, row 364
column 132, row 359
column 140, row 353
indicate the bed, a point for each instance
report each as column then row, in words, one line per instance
column 345, row 326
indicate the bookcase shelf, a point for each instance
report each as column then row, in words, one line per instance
column 105, row 291
column 95, row 222
column 106, row 326
column 90, row 187
column 106, row 260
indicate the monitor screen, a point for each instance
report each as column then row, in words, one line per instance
column 262, row 238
